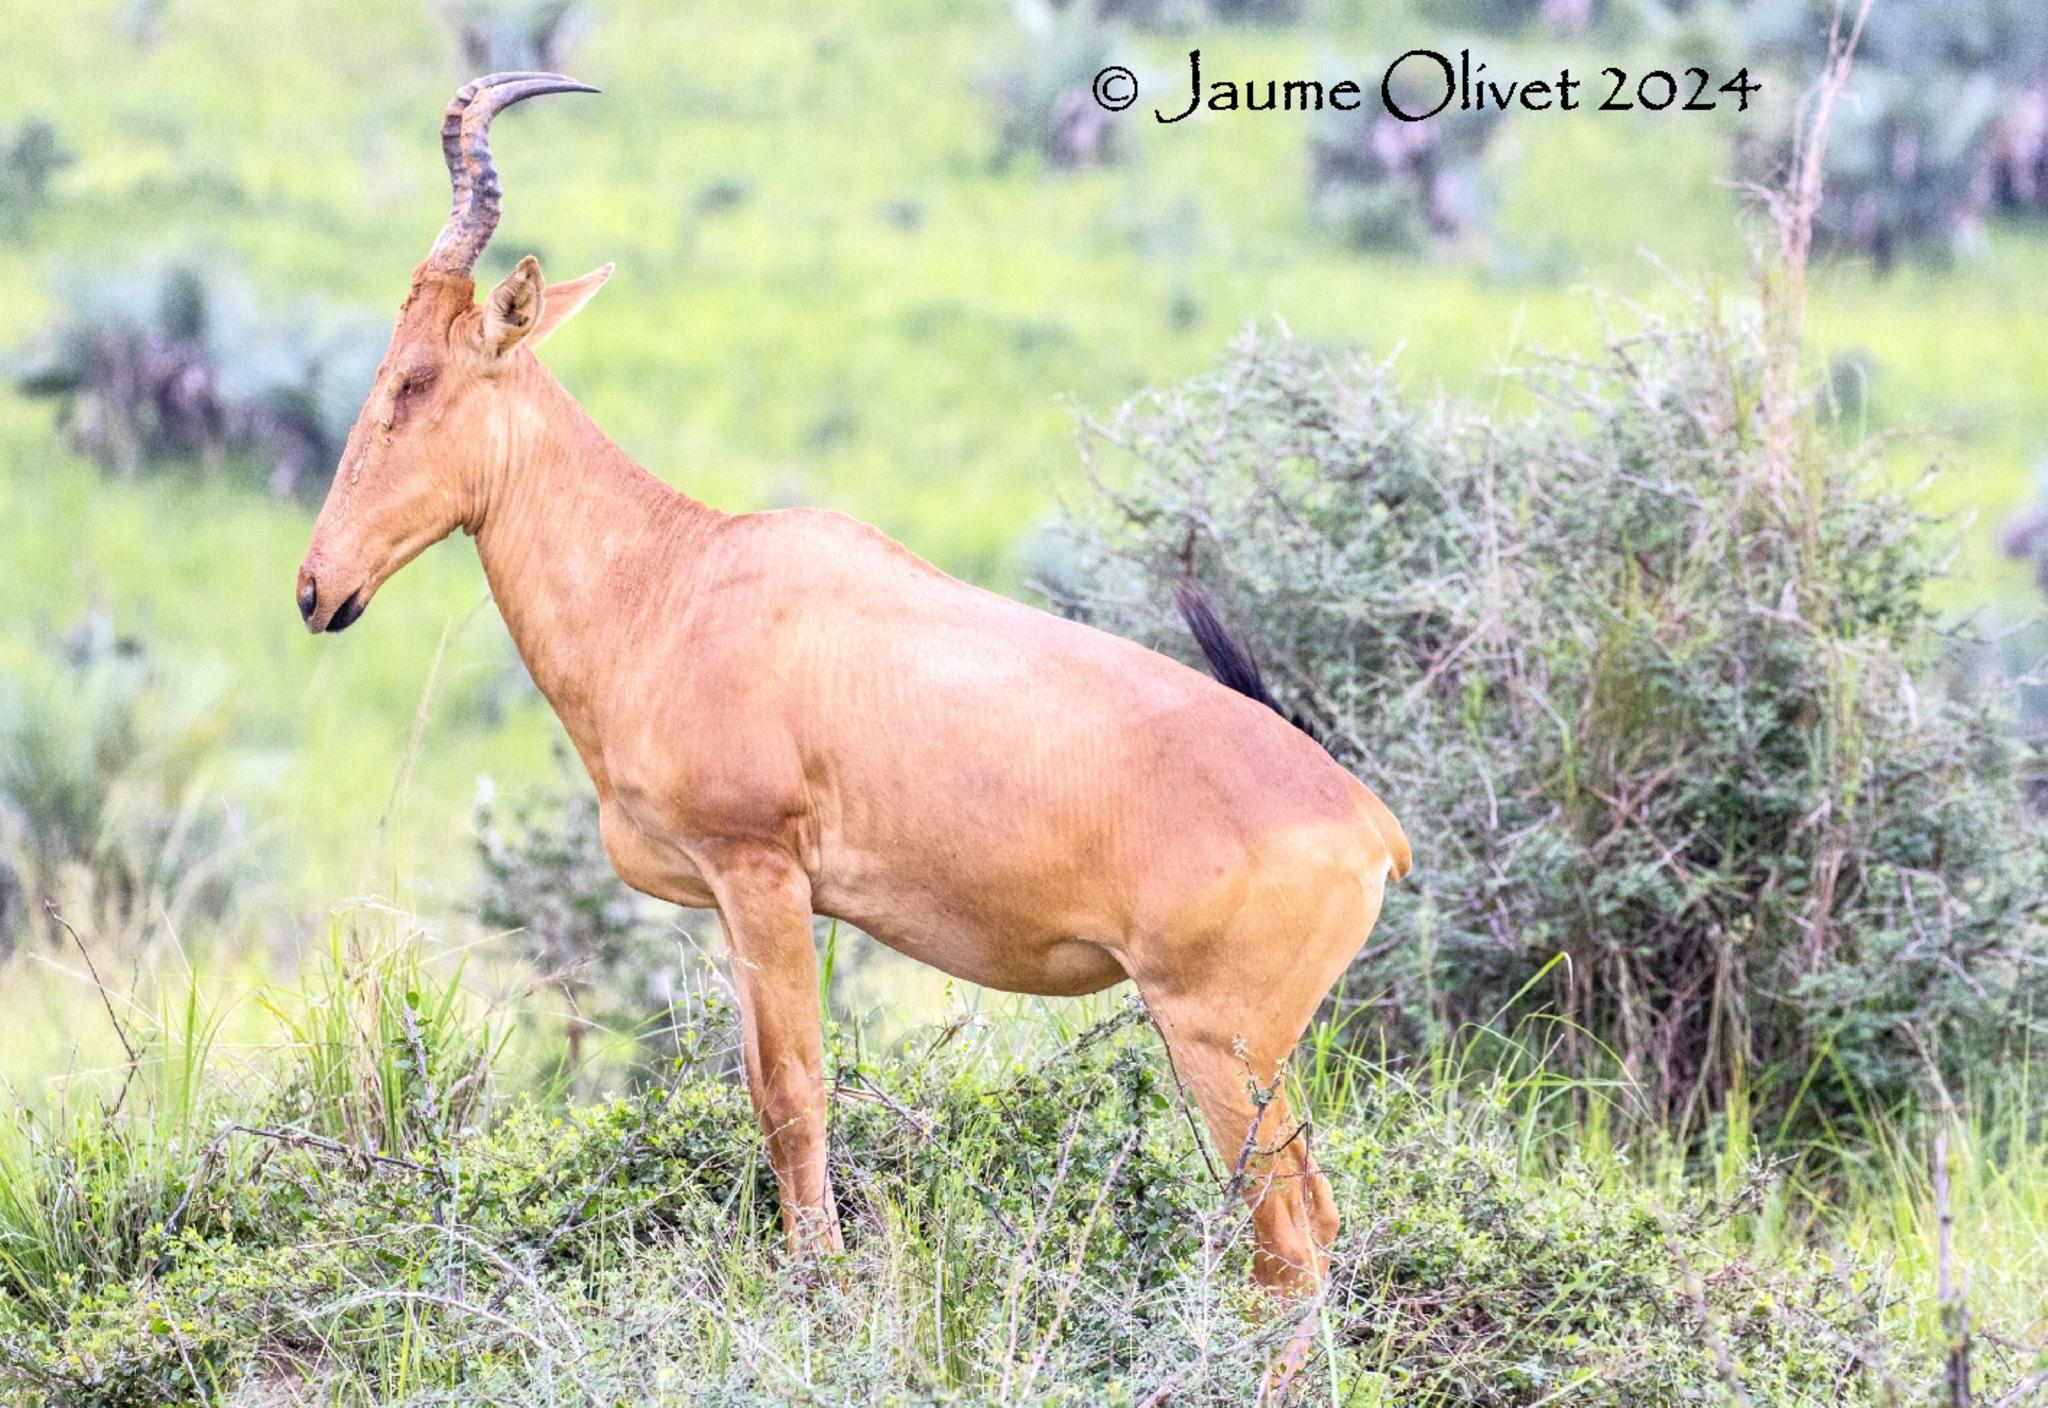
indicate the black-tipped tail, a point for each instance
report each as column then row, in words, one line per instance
column 1230, row 659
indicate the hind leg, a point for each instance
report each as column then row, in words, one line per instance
column 1231, row 1005
column 1231, row 1031
column 1322, row 1205
column 1233, row 1077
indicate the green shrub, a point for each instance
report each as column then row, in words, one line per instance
column 1645, row 697
column 169, row 364
column 2005, row 38
column 1512, row 16
column 499, row 36
column 1043, row 100
column 1032, row 1232
column 1382, row 183
column 1906, row 169
column 2024, row 536
column 1941, row 121
column 106, row 809
column 2019, row 151
column 30, row 155
column 1179, row 14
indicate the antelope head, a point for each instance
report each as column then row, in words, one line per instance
column 450, row 392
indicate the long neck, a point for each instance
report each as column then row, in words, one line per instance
column 585, row 551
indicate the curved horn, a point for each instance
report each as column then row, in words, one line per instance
column 466, row 144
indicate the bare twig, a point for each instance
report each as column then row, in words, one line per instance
column 1027, row 1270
column 206, row 1158
column 869, row 1091
column 1180, row 1100
column 1065, row 1298
column 106, row 1000
column 83, row 952
column 1792, row 209
column 2022, row 1392
column 300, row 1139
column 1955, row 1311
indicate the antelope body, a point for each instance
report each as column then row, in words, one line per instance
column 786, row 714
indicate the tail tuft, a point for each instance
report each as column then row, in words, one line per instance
column 1230, row 659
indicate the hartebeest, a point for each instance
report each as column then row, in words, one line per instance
column 787, row 713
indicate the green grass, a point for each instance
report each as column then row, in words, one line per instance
column 368, row 1210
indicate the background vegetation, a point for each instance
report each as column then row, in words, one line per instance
column 1662, row 689
column 1694, row 1065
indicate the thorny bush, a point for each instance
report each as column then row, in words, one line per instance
column 1647, row 700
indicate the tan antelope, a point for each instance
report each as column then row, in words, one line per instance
column 787, row 714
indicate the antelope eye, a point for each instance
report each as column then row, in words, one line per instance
column 410, row 384
column 408, row 388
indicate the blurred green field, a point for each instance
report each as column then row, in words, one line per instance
column 829, row 291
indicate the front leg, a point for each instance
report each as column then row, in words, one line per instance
column 764, row 902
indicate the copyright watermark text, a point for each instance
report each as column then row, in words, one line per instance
column 1424, row 83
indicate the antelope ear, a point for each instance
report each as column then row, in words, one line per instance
column 515, row 306
column 564, row 300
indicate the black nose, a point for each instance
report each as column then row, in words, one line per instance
column 348, row 613
column 309, row 597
